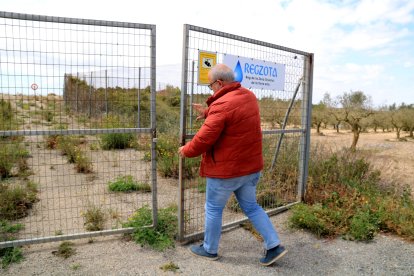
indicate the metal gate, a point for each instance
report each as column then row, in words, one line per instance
column 285, row 115
column 77, row 125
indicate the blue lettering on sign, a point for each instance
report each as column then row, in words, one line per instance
column 260, row 70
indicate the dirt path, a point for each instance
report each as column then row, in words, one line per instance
column 239, row 251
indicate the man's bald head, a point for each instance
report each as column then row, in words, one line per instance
column 221, row 72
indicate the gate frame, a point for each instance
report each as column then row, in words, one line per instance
column 152, row 129
column 307, row 83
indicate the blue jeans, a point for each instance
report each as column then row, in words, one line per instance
column 217, row 195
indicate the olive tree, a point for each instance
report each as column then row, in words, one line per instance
column 319, row 116
column 409, row 121
column 397, row 121
column 332, row 111
column 355, row 108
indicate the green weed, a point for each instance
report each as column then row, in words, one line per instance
column 170, row 267
column 117, row 140
column 313, row 219
column 128, row 184
column 363, row 225
column 7, row 233
column 75, row 266
column 162, row 236
column 201, row 185
column 65, row 250
column 25, row 106
column 10, row 255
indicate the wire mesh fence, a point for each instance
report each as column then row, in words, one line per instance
column 285, row 115
column 77, row 125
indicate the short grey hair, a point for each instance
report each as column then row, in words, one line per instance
column 222, row 72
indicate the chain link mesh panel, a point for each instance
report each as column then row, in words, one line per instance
column 77, row 122
column 284, row 121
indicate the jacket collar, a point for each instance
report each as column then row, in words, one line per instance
column 223, row 91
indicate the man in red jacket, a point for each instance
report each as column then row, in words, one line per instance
column 230, row 142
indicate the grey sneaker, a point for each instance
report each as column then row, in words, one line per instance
column 199, row 250
column 272, row 255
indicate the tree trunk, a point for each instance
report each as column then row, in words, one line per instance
column 318, row 127
column 398, row 133
column 411, row 132
column 355, row 130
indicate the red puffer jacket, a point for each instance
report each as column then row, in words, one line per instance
column 230, row 138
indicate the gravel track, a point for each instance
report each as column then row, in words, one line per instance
column 239, row 251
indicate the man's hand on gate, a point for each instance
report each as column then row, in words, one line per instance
column 200, row 110
column 180, row 151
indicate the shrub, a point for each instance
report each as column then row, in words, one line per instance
column 396, row 214
column 344, row 198
column 82, row 162
column 160, row 237
column 168, row 159
column 51, row 141
column 68, row 147
column 363, row 225
column 16, row 201
column 128, row 184
column 94, row 219
column 47, row 115
column 311, row 218
column 117, row 140
column 7, row 116
column 6, row 111
column 12, row 154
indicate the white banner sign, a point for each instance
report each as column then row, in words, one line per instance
column 254, row 73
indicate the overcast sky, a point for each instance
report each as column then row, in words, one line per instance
column 365, row 45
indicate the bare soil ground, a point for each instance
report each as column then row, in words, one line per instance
column 64, row 195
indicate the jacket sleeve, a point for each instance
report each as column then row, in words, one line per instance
column 209, row 132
